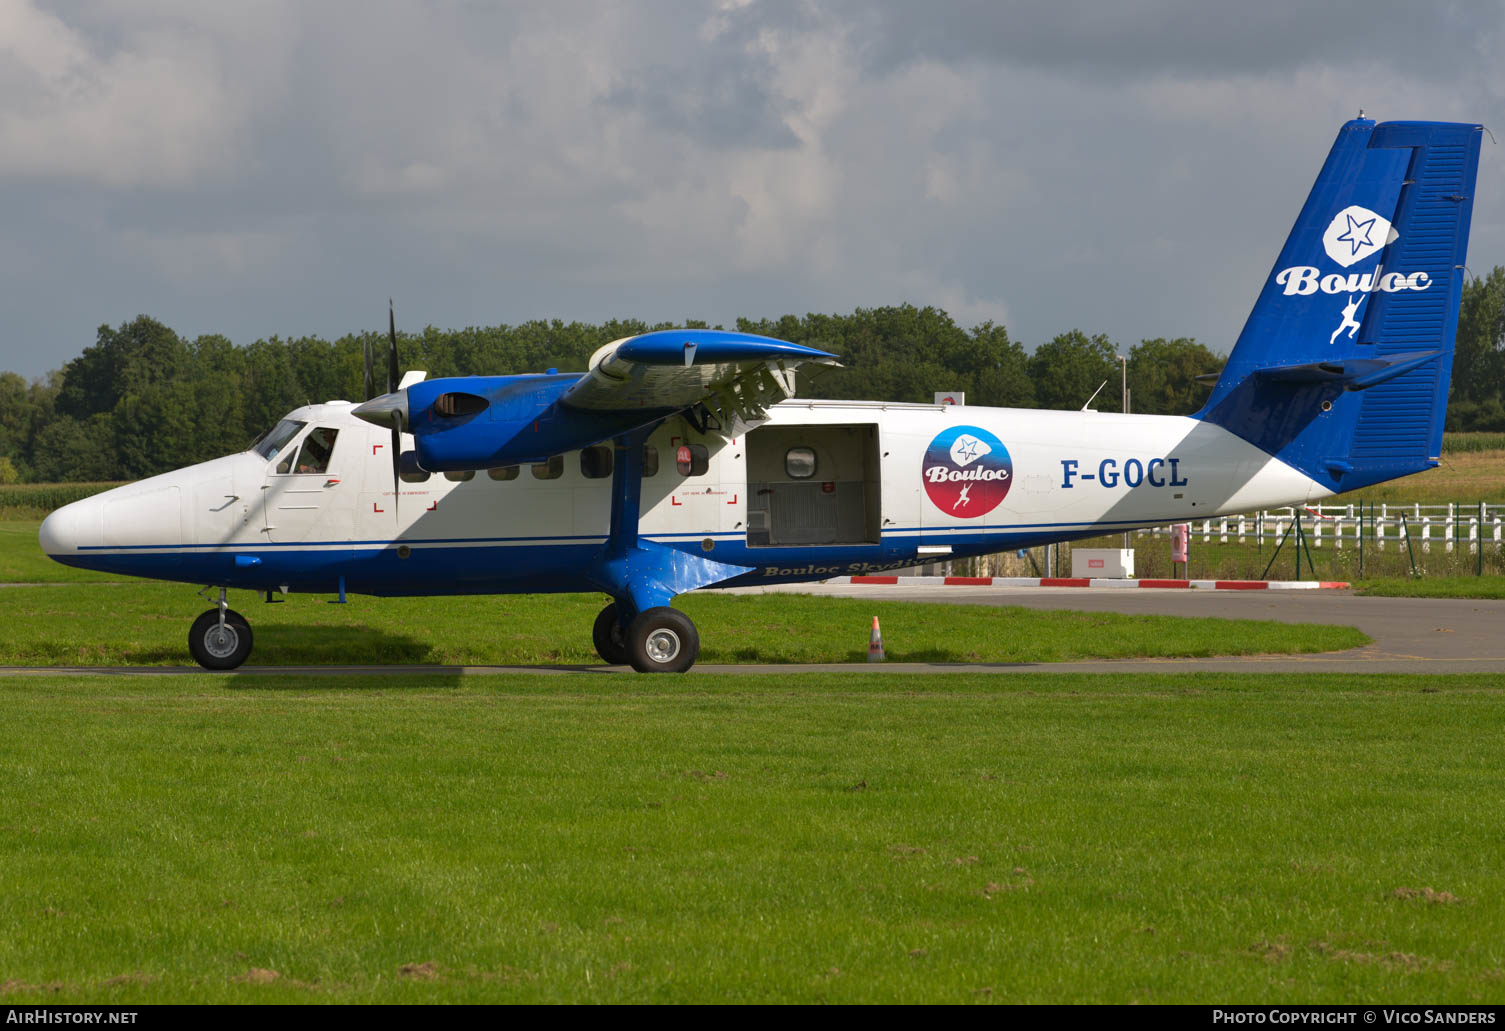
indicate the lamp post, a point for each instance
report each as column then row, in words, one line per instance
column 1123, row 364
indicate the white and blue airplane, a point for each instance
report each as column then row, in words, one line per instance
column 681, row 459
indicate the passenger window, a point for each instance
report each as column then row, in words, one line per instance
column 317, row 447
column 799, row 463
column 692, row 459
column 461, row 476
column 409, row 469
column 503, row 472
column 550, row 470
column 650, row 460
column 595, row 462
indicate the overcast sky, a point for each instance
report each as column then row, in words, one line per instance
column 283, row 167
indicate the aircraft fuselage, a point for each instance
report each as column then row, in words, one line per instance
column 823, row 489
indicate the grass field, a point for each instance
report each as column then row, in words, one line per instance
column 81, row 618
column 751, row 839
column 1468, row 476
column 144, row 623
column 22, row 559
column 1459, row 587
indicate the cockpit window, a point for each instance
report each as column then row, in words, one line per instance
column 317, row 447
column 271, row 444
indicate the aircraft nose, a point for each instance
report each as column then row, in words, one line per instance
column 72, row 527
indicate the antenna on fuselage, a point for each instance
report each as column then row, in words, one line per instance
column 1096, row 392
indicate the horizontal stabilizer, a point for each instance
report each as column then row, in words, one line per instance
column 1351, row 373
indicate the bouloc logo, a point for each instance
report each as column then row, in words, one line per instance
column 967, row 471
column 1355, row 233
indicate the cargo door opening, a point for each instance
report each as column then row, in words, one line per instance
column 813, row 485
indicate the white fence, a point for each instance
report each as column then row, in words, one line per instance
column 1450, row 526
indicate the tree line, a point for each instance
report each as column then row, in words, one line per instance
column 143, row 400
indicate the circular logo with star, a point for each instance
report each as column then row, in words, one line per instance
column 967, row 472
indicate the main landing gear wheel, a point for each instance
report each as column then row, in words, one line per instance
column 216, row 647
column 609, row 638
column 662, row 640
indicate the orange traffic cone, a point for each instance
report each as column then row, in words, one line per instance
column 875, row 643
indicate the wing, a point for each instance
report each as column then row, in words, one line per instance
column 736, row 376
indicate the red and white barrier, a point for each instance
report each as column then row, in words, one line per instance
column 1072, row 581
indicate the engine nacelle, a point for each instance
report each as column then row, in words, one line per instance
column 479, row 422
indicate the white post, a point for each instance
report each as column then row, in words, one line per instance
column 1317, row 530
column 1206, row 530
column 1426, row 533
column 1241, row 529
column 1223, row 530
column 1448, row 531
column 1473, row 534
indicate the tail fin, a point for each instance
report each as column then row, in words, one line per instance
column 1342, row 370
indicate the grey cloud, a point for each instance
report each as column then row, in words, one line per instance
column 483, row 163
column 1132, row 38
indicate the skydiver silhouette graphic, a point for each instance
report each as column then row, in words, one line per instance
column 1349, row 322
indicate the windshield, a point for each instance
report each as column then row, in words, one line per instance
column 273, row 442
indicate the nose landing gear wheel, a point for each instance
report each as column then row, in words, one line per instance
column 216, row 647
column 609, row 638
column 662, row 640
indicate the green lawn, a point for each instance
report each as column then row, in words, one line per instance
column 147, row 623
column 23, row 561
column 1451, row 587
column 752, row 839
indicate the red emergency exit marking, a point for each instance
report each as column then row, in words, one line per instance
column 432, row 507
column 673, row 501
column 733, row 501
column 375, row 446
column 1094, row 563
column 377, row 511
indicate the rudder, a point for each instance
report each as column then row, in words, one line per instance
column 1342, row 369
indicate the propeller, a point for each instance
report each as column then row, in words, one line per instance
column 370, row 379
column 392, row 389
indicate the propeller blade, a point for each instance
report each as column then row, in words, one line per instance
column 392, row 376
column 396, row 469
column 370, row 375
column 391, row 389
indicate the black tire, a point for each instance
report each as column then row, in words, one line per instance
column 609, row 638
column 215, row 650
column 662, row 640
